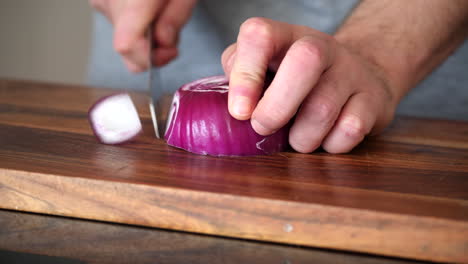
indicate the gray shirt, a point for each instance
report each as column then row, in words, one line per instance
column 215, row 24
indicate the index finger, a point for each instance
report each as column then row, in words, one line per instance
column 258, row 42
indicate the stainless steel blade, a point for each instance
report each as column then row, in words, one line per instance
column 156, row 93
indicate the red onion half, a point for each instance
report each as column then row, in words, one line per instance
column 199, row 122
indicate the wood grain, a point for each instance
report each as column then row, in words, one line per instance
column 404, row 193
column 92, row 242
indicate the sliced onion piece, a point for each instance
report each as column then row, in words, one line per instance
column 114, row 119
column 199, row 122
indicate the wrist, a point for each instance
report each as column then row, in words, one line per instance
column 405, row 44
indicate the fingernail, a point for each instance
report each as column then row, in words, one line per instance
column 259, row 128
column 241, row 106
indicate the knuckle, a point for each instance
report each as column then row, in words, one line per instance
column 250, row 77
column 324, row 111
column 123, row 48
column 354, row 127
column 257, row 28
column 310, row 50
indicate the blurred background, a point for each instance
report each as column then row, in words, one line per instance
column 47, row 40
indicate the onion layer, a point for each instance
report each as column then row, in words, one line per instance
column 199, row 122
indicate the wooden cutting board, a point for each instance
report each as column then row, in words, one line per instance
column 93, row 242
column 404, row 193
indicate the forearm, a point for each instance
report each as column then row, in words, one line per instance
column 405, row 39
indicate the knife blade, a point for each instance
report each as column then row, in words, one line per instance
column 156, row 93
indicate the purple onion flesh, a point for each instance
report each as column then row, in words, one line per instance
column 199, row 122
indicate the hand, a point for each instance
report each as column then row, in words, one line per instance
column 131, row 19
column 336, row 96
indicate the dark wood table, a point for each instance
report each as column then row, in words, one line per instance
column 401, row 194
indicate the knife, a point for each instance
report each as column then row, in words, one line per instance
column 156, row 93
